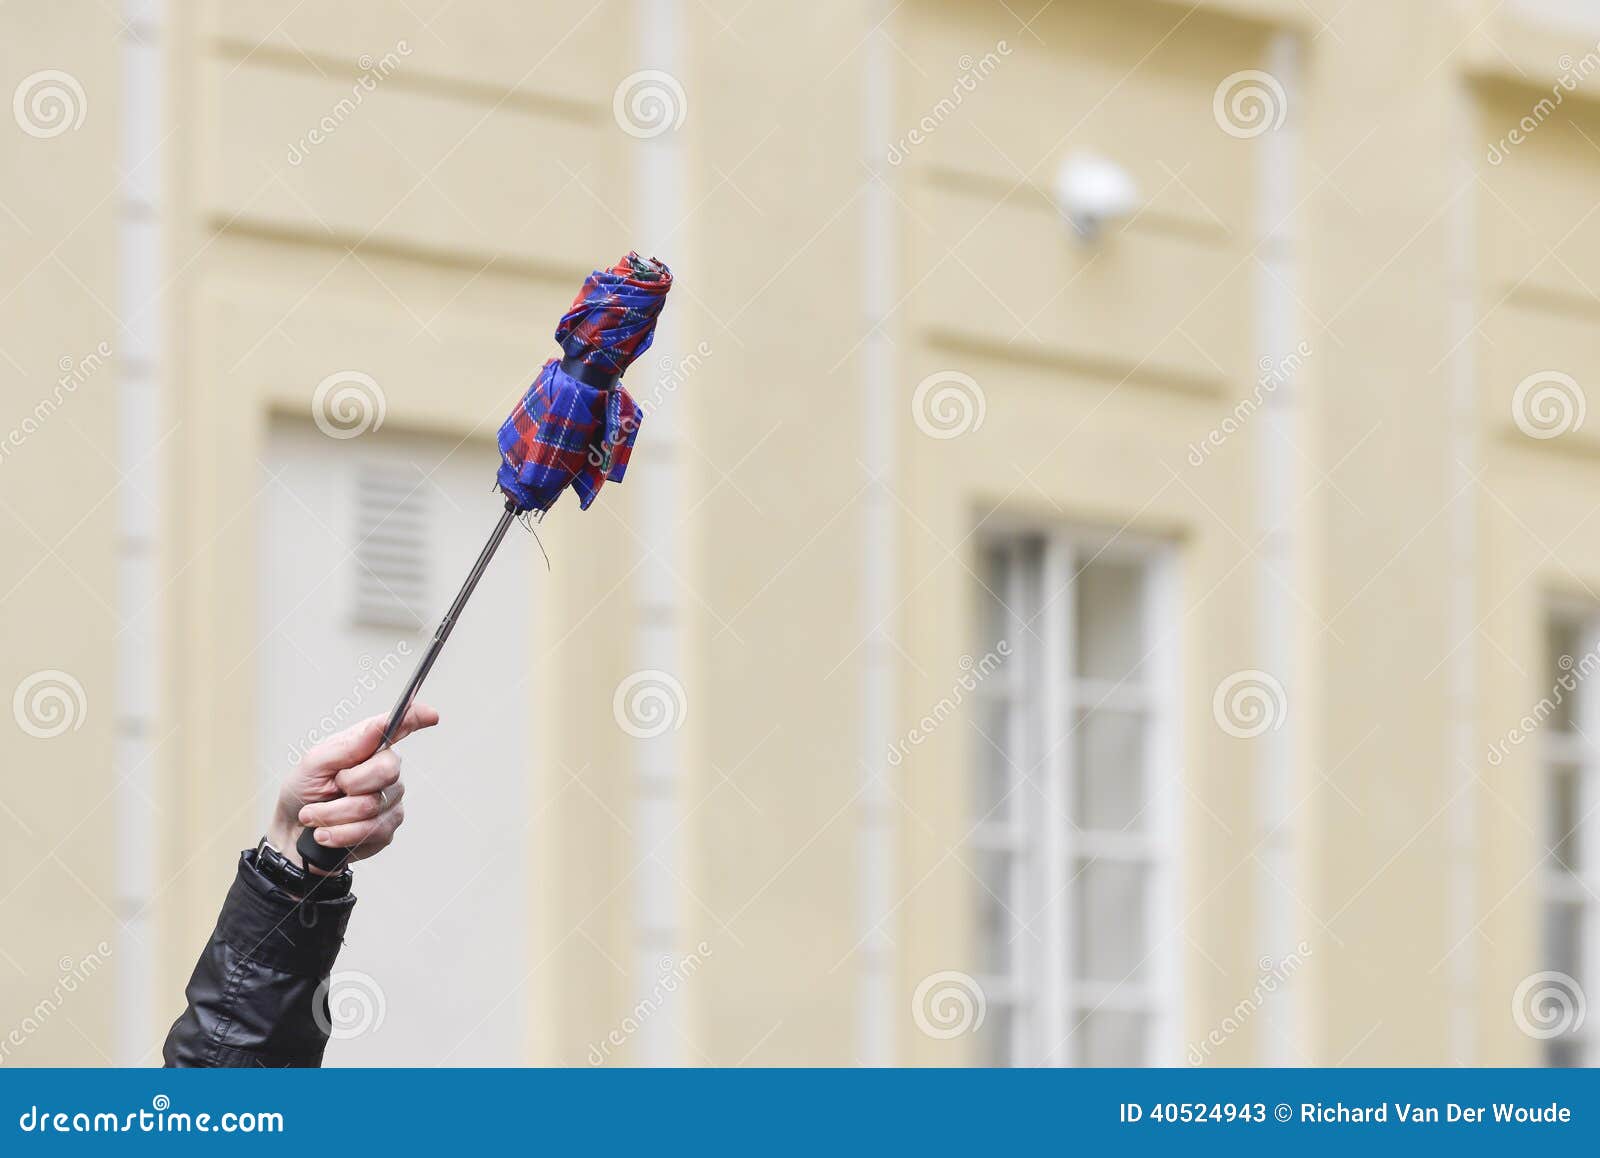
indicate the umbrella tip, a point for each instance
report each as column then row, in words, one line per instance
column 642, row 269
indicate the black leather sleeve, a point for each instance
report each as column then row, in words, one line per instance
column 256, row 996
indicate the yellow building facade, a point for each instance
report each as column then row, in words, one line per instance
column 1105, row 578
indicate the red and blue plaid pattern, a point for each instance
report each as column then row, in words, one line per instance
column 576, row 425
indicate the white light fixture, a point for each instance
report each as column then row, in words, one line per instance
column 1091, row 191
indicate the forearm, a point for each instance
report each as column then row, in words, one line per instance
column 255, row 995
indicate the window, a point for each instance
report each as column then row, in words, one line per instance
column 1570, row 916
column 1074, row 836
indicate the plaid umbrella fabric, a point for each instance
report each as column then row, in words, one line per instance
column 576, row 425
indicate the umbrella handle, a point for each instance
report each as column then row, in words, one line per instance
column 330, row 860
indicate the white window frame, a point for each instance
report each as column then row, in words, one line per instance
column 1038, row 988
column 1578, row 749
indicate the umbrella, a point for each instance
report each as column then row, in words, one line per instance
column 575, row 427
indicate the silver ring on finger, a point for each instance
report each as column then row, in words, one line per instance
column 383, row 800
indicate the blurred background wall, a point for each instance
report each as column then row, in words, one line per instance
column 1108, row 577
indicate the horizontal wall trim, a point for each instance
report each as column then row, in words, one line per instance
column 1109, row 370
column 1551, row 300
column 323, row 66
column 1572, row 447
column 472, row 261
column 1031, row 195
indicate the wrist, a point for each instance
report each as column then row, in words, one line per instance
column 282, row 833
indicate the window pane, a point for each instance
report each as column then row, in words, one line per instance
column 1108, row 930
column 993, row 802
column 994, row 618
column 994, row 1036
column 1110, row 621
column 994, row 922
column 1563, row 938
column 1562, row 815
column 1564, row 1052
column 1109, row 789
column 1561, row 640
column 1110, row 1038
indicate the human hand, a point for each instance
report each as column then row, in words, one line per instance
column 347, row 790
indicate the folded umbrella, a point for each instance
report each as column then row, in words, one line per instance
column 575, row 427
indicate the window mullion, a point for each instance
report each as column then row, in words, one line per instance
column 1017, row 747
column 1056, row 629
column 1587, row 824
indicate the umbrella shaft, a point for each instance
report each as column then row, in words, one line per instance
column 446, row 626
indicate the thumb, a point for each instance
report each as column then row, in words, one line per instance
column 348, row 748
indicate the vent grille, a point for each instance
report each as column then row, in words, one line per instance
column 391, row 555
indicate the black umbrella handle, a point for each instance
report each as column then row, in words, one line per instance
column 330, row 860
